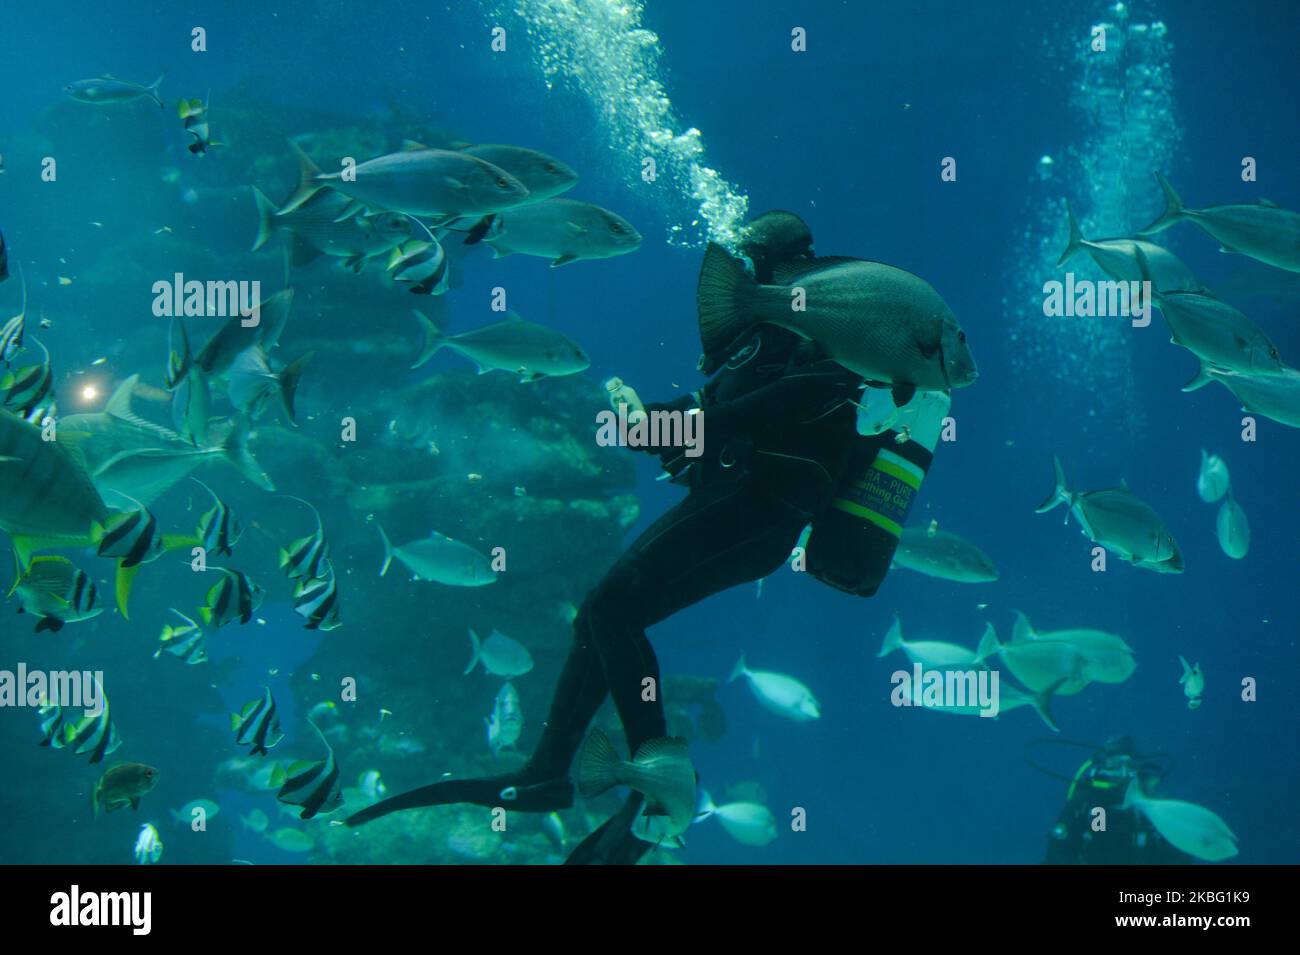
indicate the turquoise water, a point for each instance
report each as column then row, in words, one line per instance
column 850, row 135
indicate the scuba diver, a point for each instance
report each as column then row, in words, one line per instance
column 1101, row 782
column 785, row 452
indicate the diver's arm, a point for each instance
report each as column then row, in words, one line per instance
column 804, row 393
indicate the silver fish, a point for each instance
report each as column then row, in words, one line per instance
column 441, row 559
column 1117, row 520
column 500, row 655
column 506, row 723
column 1118, row 259
column 418, row 182
column 1274, row 396
column 1233, row 529
column 543, row 176
column 109, row 89
column 562, row 230
column 943, row 555
column 529, row 350
column 314, row 230
column 1262, row 231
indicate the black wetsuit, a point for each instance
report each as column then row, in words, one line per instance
column 779, row 432
column 1129, row 839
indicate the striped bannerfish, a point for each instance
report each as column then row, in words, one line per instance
column 46, row 497
column 11, row 335
column 132, row 536
column 258, row 724
column 313, row 785
column 26, row 388
column 234, row 597
column 218, row 530
column 187, row 641
column 96, row 735
column 51, row 724
column 307, row 557
column 318, row 601
column 55, row 590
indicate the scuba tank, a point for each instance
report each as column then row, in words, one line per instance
column 851, row 544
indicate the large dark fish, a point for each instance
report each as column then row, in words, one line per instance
column 122, row 785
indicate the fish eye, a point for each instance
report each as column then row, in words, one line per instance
column 550, row 167
column 502, row 183
column 961, row 337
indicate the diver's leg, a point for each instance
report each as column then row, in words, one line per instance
column 733, row 535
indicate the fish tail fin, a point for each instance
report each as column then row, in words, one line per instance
column 1043, row 705
column 266, row 211
column 433, row 337
column 1173, row 208
column 1200, row 379
column 289, row 379
column 153, row 91
column 893, row 639
column 722, row 298
column 1023, row 629
column 1132, row 795
column 1187, row 670
column 1060, row 493
column 705, row 807
column 122, row 586
column 597, row 765
column 738, row 669
column 308, row 185
column 476, row 650
column 1076, row 237
column 388, row 550
column 988, row 645
column 234, row 450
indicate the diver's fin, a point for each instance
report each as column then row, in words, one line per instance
column 545, row 796
column 613, row 842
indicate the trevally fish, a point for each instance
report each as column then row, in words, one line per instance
column 1118, row 259
column 148, row 845
column 257, row 724
column 440, row 559
column 929, row 653
column 1039, row 664
column 185, row 815
column 257, row 821
column 749, row 823
column 783, row 695
column 234, row 338
column 141, row 460
column 1212, row 482
column 1185, row 826
column 418, row 182
column 660, row 769
column 46, row 497
column 122, row 785
column 500, row 655
column 233, row 597
column 53, row 589
column 187, row 642
column 1193, row 681
column 252, row 380
column 1214, row 331
column 1233, row 529
column 314, row 786
column 1117, row 520
column 881, row 322
column 1107, row 657
column 1274, row 396
column 506, row 723
column 514, row 345
column 543, row 176
column 937, row 553
column 109, row 89
column 314, row 230
column 1262, row 231
column 291, row 840
column 1009, row 697
column 562, row 230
